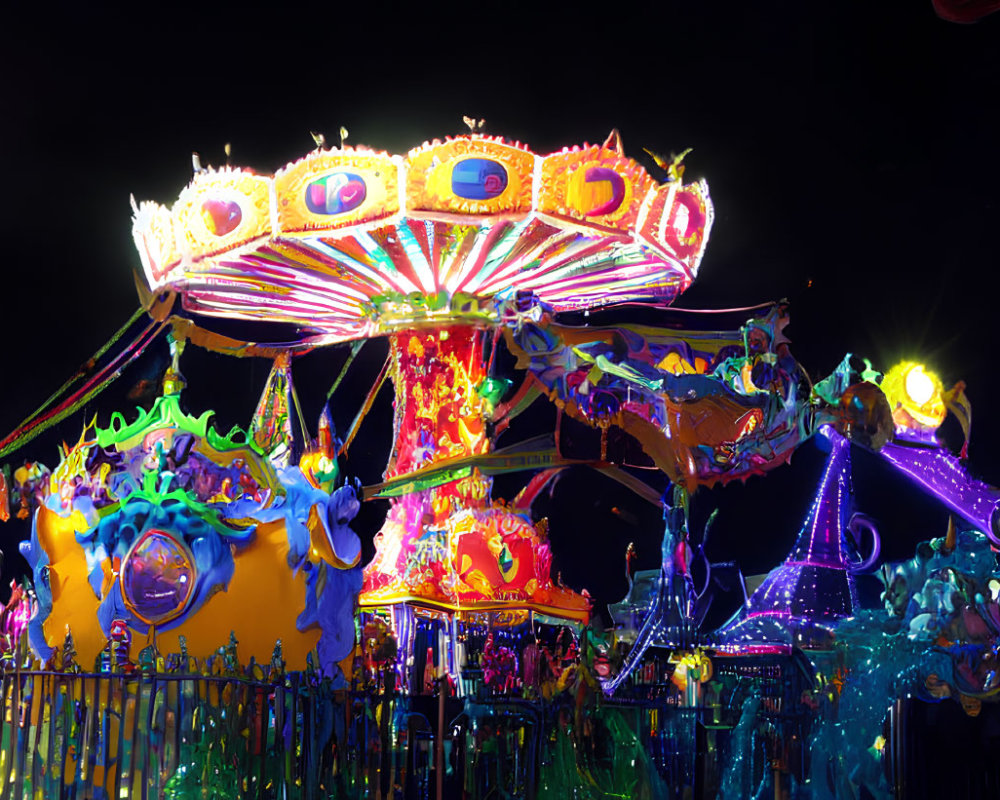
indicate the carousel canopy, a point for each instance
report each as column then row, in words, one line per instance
column 353, row 242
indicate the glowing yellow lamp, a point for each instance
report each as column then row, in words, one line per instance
column 919, row 385
column 915, row 395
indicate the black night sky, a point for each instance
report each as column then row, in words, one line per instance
column 851, row 150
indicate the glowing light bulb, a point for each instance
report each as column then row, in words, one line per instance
column 919, row 385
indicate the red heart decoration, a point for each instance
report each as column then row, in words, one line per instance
column 221, row 216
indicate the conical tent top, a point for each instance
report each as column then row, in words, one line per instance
column 821, row 539
column 813, row 588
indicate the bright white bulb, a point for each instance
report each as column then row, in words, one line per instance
column 919, row 386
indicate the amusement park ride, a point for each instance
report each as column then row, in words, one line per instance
column 200, row 617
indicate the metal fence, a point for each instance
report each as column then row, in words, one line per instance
column 99, row 736
column 150, row 736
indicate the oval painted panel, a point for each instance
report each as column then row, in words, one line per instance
column 607, row 190
column 336, row 193
column 157, row 577
column 685, row 231
column 221, row 216
column 478, row 179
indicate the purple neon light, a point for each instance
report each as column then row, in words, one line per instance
column 939, row 472
column 821, row 540
column 859, row 521
column 813, row 588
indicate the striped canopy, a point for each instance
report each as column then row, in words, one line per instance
column 352, row 243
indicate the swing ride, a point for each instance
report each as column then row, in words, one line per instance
column 276, row 661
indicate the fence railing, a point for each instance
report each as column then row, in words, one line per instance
column 175, row 736
column 104, row 736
